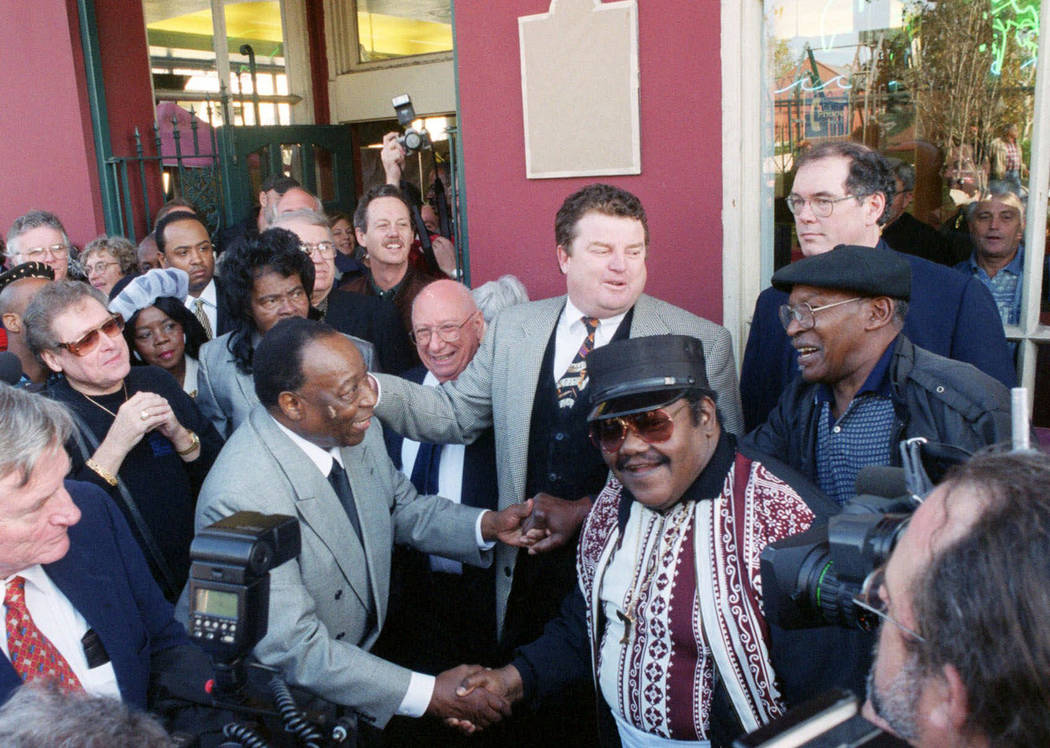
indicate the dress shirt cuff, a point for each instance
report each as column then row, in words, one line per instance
column 485, row 545
column 417, row 698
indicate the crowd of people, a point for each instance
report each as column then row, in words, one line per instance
column 521, row 522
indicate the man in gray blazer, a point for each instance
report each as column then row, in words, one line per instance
column 528, row 380
column 328, row 605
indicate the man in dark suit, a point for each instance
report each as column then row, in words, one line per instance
column 77, row 587
column 183, row 242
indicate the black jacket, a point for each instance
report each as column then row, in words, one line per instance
column 944, row 400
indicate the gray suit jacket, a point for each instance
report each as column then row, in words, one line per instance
column 226, row 396
column 498, row 388
column 320, row 631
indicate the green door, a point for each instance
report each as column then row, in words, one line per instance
column 319, row 157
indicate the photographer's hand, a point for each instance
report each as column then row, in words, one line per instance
column 393, row 158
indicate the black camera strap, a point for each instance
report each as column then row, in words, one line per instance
column 85, row 438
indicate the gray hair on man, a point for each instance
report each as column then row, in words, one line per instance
column 309, row 217
column 30, row 425
column 271, row 210
column 44, row 717
column 494, row 296
column 32, row 220
column 51, row 301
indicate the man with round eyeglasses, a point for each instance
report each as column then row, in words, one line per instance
column 864, row 385
column 841, row 194
column 38, row 236
column 963, row 654
column 667, row 615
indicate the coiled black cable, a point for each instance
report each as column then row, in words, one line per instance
column 243, row 735
column 294, row 721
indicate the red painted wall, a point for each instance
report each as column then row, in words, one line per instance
column 511, row 218
column 47, row 158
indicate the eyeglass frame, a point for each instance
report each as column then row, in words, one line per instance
column 870, row 599
column 33, row 254
column 82, row 346
column 94, row 266
column 831, row 202
column 448, row 327
column 791, row 308
column 627, row 425
column 309, row 249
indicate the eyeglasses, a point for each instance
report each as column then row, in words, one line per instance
column 805, row 315
column 89, row 341
column 36, row 254
column 870, row 599
column 273, row 302
column 822, row 206
column 449, row 332
column 325, row 249
column 99, row 267
column 204, row 248
column 652, row 426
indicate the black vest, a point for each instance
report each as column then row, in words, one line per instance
column 563, row 463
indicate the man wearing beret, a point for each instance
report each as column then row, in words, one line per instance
column 840, row 195
column 18, row 286
column 864, row 385
column 667, row 617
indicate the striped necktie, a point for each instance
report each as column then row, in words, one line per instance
column 573, row 381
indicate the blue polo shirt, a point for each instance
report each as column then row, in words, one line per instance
column 861, row 435
column 1005, row 287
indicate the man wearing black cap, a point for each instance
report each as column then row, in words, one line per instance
column 864, row 385
column 18, row 286
column 667, row 615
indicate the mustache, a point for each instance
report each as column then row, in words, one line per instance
column 649, row 457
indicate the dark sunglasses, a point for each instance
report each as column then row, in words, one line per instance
column 652, row 426
column 112, row 327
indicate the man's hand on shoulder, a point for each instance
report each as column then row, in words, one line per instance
column 477, row 707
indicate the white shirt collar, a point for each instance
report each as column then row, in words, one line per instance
column 35, row 575
column 209, row 295
column 573, row 316
column 319, row 456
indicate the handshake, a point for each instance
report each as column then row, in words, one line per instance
column 470, row 697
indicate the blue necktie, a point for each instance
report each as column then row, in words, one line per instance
column 341, row 484
column 425, row 471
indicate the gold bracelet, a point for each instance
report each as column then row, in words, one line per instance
column 101, row 472
column 195, row 442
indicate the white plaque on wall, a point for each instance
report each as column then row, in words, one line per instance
column 579, row 89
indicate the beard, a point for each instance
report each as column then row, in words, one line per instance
column 898, row 703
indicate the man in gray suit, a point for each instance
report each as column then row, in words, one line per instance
column 328, row 605
column 528, row 380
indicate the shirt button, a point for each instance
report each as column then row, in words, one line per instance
column 559, row 437
column 552, row 477
column 940, row 389
column 836, row 430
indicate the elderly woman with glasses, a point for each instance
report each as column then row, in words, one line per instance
column 107, row 259
column 139, row 436
column 268, row 278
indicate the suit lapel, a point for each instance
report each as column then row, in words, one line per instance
column 644, row 321
column 317, row 503
column 525, row 354
column 360, row 462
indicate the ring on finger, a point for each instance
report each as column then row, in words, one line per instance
column 144, row 415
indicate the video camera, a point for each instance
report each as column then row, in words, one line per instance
column 812, row 579
column 411, row 140
column 230, row 580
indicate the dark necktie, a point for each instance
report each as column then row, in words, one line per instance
column 31, row 653
column 573, row 381
column 425, row 471
column 341, row 484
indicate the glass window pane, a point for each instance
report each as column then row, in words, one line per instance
column 389, row 29
column 292, row 161
column 935, row 84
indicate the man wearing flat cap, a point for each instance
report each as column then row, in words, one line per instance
column 667, row 615
column 864, row 386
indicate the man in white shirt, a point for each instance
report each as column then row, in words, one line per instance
column 77, row 589
column 183, row 242
column 308, row 450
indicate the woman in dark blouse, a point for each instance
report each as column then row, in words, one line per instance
column 139, row 436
